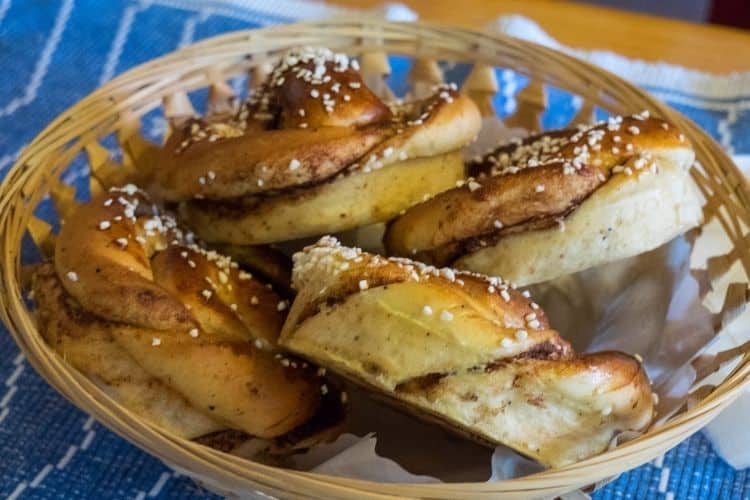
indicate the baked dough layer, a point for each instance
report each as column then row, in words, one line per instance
column 351, row 201
column 627, row 216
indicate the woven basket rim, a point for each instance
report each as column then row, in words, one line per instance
column 546, row 481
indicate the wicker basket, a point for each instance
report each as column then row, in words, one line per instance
column 112, row 116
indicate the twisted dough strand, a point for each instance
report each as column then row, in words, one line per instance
column 189, row 317
column 86, row 342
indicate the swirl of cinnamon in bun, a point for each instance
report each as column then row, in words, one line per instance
column 169, row 327
column 313, row 151
column 467, row 351
column 556, row 203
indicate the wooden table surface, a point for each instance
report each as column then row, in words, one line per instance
column 706, row 47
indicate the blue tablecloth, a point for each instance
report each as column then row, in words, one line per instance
column 53, row 53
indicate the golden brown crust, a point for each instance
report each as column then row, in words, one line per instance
column 85, row 341
column 461, row 219
column 242, row 386
column 533, row 183
column 270, row 264
column 312, row 119
column 217, row 346
column 611, row 142
column 260, row 162
column 238, row 307
column 467, row 351
column 622, row 218
column 292, row 91
column 264, row 162
column 103, row 254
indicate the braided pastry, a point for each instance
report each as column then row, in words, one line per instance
column 313, row 152
column 468, row 351
column 85, row 341
column 136, row 285
column 559, row 202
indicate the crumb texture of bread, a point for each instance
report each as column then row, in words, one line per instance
column 624, row 217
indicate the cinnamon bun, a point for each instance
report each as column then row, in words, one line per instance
column 557, row 203
column 170, row 327
column 465, row 350
column 313, row 151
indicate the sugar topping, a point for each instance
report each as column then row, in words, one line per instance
column 329, row 258
column 313, row 65
column 320, row 58
column 573, row 149
column 159, row 231
column 446, row 315
column 408, row 114
column 322, row 72
column 200, row 130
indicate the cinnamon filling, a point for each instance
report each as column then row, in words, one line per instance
column 545, row 351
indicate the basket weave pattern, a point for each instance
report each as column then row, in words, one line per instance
column 115, row 110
